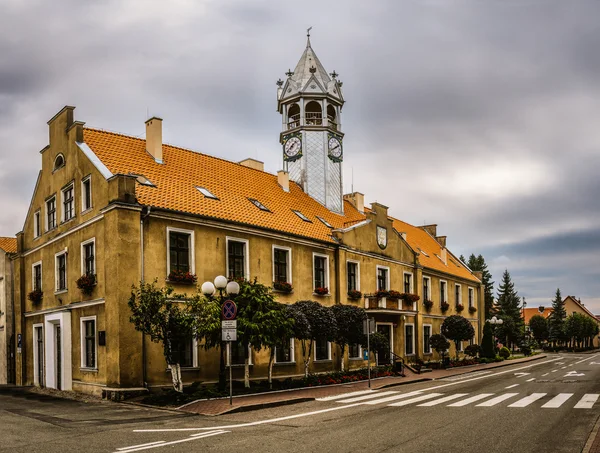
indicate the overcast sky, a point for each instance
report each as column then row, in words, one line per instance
column 480, row 116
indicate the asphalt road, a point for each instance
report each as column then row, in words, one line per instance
column 549, row 405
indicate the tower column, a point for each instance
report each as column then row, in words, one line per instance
column 301, row 102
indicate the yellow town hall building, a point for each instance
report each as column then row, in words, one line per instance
column 128, row 210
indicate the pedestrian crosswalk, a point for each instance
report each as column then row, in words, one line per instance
column 422, row 398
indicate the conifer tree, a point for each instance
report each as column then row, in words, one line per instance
column 477, row 263
column 556, row 320
column 508, row 307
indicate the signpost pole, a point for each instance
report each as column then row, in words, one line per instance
column 369, row 351
column 230, row 375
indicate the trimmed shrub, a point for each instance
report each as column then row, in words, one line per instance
column 473, row 350
column 504, row 352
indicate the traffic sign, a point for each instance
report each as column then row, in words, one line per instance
column 228, row 334
column 365, row 354
column 229, row 324
column 369, row 326
column 229, row 310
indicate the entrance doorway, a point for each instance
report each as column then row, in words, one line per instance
column 57, row 348
column 58, row 356
column 38, row 355
column 385, row 357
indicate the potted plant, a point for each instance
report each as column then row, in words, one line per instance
column 380, row 294
column 35, row 296
column 86, row 284
column 354, row 294
column 460, row 307
column 284, row 287
column 322, row 291
column 445, row 306
column 410, row 298
column 472, row 309
column 428, row 304
column 394, row 295
column 185, row 278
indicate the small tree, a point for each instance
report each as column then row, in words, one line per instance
column 539, row 328
column 488, row 346
column 457, row 328
column 473, row 350
column 440, row 343
column 165, row 318
column 556, row 320
column 349, row 320
column 378, row 343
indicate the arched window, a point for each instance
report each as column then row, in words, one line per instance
column 59, row 161
column 313, row 114
column 293, row 116
column 331, row 116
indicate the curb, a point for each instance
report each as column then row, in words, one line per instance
column 254, row 407
column 592, row 438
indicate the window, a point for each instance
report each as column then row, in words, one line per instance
column 285, row 352
column 471, row 297
column 181, row 247
column 426, row 288
column 236, row 259
column 88, row 342
column 352, row 275
column 238, row 353
column 457, row 298
column 354, row 351
column 61, row 271
column 322, row 350
column 320, row 271
column 426, row 338
column 442, row 291
column 143, row 180
column 86, row 193
column 88, row 257
column 51, row 213
column 325, row 222
column 302, row 216
column 409, row 339
column 207, row 193
column 281, row 265
column 36, row 276
column 382, row 278
column 184, row 352
column 59, row 162
column 407, row 283
column 37, row 227
column 68, row 203
column 259, row 205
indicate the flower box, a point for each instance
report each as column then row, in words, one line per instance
column 472, row 309
column 445, row 306
column 35, row 296
column 86, row 284
column 354, row 294
column 394, row 295
column 391, row 304
column 380, row 294
column 284, row 287
column 185, row 278
column 322, row 291
column 410, row 298
column 460, row 307
column 373, row 303
column 428, row 304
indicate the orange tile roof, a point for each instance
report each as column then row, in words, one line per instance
column 530, row 312
column 9, row 245
column 183, row 170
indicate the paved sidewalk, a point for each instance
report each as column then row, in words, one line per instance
column 221, row 406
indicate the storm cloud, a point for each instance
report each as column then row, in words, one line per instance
column 479, row 116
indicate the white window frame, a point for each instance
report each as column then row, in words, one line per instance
column 246, row 255
column 56, row 211
column 37, row 263
column 83, row 207
column 192, row 248
column 56, row 279
column 413, row 339
column 357, row 273
column 36, row 357
column 37, row 224
column 328, row 353
column 82, row 252
column 292, row 352
column 430, row 335
column 412, row 278
column 459, row 301
column 82, row 351
column 383, row 301
column 277, row 247
column 472, row 302
column 360, row 353
column 250, row 362
column 70, row 185
column 428, row 287
column 445, row 291
column 322, row 255
column 194, row 355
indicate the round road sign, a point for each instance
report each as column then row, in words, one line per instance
column 229, row 310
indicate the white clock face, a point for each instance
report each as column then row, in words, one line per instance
column 335, row 147
column 292, row 147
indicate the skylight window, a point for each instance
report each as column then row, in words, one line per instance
column 143, row 180
column 423, row 252
column 207, row 193
column 302, row 216
column 325, row 222
column 259, row 205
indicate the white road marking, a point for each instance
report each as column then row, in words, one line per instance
column 573, row 373
column 164, row 444
column 392, row 398
column 558, row 400
column 512, row 386
column 585, row 360
column 366, row 397
column 594, row 363
column 141, row 445
column 521, row 374
column 529, row 380
column 562, row 367
column 346, row 395
column 330, row 409
column 442, row 400
column 545, row 374
column 587, row 401
column 462, row 377
column 416, row 399
column 554, row 371
column 497, row 400
column 524, row 402
column 470, row 400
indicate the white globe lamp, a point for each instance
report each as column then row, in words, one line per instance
column 208, row 289
column 233, row 288
column 220, row 282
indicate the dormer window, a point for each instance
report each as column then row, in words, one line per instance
column 207, row 193
column 325, row 222
column 259, row 205
column 302, row 216
column 59, row 162
column 143, row 180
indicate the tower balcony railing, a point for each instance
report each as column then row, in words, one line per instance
column 313, row 118
column 332, row 124
column 293, row 121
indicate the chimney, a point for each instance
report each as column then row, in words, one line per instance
column 154, row 138
column 357, row 200
column 478, row 274
column 441, row 240
column 283, row 178
column 431, row 229
column 253, row 163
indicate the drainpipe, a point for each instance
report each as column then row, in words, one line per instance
column 144, row 217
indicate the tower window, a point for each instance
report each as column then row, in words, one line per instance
column 293, row 116
column 331, row 117
column 59, row 162
column 259, row 205
column 302, row 216
column 313, row 114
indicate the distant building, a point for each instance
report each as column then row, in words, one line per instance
column 8, row 248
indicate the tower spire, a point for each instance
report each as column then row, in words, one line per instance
column 308, row 36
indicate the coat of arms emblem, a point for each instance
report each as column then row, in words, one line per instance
column 381, row 237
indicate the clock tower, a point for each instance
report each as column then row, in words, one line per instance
column 310, row 102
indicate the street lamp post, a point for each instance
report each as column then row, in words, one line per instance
column 495, row 322
column 224, row 288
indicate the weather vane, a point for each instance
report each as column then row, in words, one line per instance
column 308, row 32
